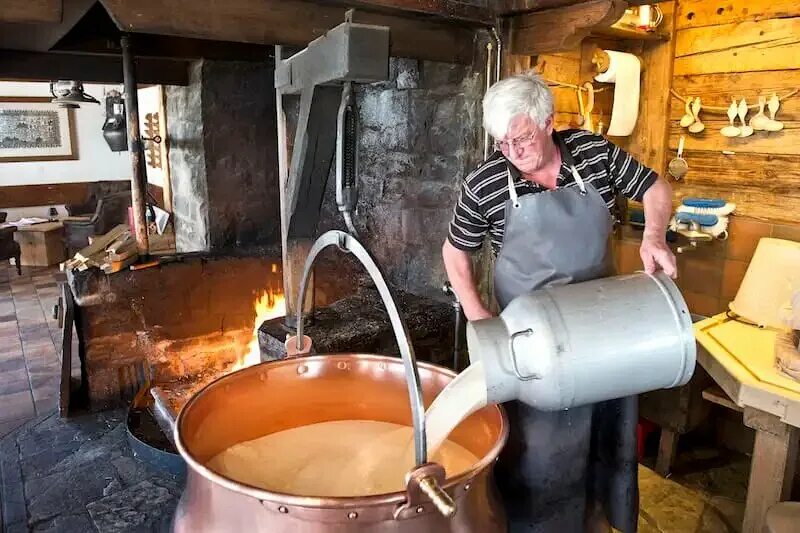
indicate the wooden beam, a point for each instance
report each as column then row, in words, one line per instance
column 473, row 13
column 288, row 22
column 510, row 7
column 31, row 11
column 39, row 66
column 42, row 37
column 561, row 29
column 167, row 47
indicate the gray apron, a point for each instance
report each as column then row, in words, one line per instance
column 557, row 466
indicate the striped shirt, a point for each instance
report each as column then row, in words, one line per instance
column 484, row 192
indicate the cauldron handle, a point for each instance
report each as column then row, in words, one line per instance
column 349, row 244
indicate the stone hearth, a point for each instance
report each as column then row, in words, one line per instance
column 360, row 323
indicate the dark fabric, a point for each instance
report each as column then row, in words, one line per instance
column 556, row 465
column 613, row 477
column 603, row 165
column 9, row 248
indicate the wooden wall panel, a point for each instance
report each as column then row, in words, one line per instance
column 46, row 194
column 786, row 141
column 772, row 44
column 718, row 89
column 648, row 142
column 698, row 13
column 738, row 49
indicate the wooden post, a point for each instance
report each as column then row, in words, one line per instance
column 667, row 446
column 772, row 467
column 162, row 112
column 138, row 177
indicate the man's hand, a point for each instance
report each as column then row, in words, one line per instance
column 656, row 254
column 478, row 313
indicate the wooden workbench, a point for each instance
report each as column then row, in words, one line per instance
column 740, row 358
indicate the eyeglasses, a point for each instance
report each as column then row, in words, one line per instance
column 518, row 143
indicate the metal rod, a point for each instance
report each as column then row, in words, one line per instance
column 138, row 175
column 489, row 47
column 499, row 59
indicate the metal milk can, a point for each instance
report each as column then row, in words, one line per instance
column 587, row 342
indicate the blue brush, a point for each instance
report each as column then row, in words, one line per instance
column 703, row 202
column 703, row 220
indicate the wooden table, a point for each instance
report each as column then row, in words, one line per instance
column 740, row 358
column 41, row 244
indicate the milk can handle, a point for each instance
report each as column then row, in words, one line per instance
column 524, row 377
column 349, row 244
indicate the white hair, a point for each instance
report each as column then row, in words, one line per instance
column 519, row 94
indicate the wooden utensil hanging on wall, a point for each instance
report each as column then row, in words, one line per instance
column 697, row 126
column 587, row 115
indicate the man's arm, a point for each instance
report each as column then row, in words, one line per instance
column 458, row 265
column 657, row 212
column 636, row 181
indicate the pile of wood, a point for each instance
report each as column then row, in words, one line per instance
column 112, row 252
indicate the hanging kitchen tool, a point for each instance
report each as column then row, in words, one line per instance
column 678, row 167
column 745, row 130
column 731, row 130
column 759, row 120
column 688, row 118
column 580, row 120
column 773, row 105
column 587, row 115
column 697, row 126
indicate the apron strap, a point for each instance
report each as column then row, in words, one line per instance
column 512, row 191
column 578, row 179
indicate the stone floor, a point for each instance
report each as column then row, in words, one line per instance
column 29, row 336
column 79, row 475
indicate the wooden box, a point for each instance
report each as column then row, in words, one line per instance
column 41, row 244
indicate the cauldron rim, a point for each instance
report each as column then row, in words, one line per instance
column 295, row 500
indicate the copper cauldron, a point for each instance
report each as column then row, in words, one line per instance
column 279, row 395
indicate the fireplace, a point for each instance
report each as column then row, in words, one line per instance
column 177, row 326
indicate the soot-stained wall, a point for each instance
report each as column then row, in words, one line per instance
column 223, row 157
column 420, row 134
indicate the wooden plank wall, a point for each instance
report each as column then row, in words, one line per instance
column 735, row 49
column 572, row 66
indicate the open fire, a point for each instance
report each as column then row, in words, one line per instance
column 270, row 304
column 187, row 365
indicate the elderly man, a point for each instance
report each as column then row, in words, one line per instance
column 545, row 198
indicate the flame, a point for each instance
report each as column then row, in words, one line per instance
column 270, row 304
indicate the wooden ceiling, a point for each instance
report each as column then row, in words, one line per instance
column 80, row 38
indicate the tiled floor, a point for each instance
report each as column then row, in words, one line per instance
column 30, row 367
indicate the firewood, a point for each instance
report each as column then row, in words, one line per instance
column 124, row 242
column 115, row 266
column 123, row 255
column 100, row 242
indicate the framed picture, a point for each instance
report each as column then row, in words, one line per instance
column 33, row 129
